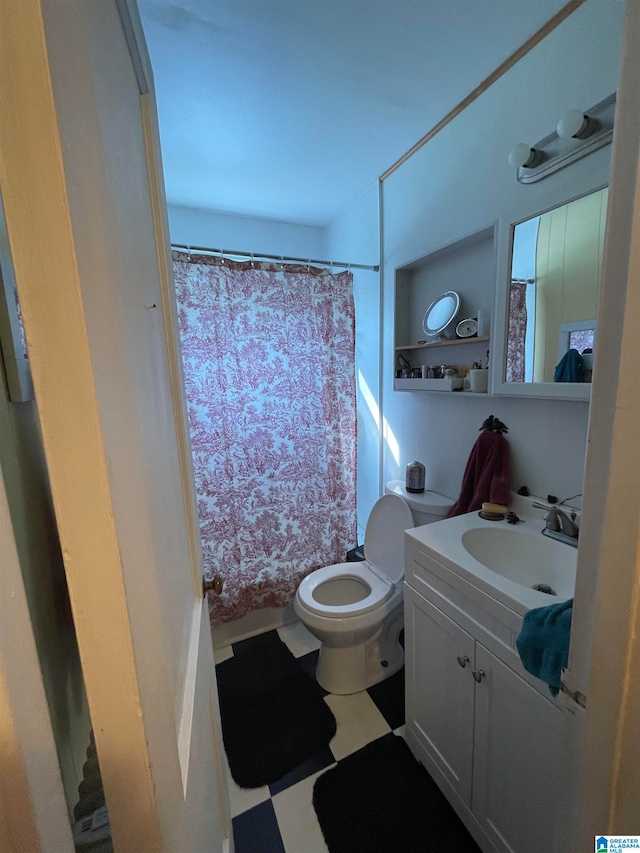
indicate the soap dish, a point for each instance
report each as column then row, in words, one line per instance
column 491, row 516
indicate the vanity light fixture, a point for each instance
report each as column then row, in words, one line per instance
column 524, row 156
column 577, row 134
column 574, row 124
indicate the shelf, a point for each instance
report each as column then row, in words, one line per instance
column 439, row 386
column 455, row 342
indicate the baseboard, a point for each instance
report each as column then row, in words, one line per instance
column 255, row 622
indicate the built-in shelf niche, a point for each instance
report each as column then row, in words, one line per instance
column 456, row 342
column 467, row 266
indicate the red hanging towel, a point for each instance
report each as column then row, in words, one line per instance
column 487, row 475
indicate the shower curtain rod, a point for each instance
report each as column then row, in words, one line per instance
column 227, row 253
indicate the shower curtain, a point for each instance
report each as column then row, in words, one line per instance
column 516, row 331
column 269, row 356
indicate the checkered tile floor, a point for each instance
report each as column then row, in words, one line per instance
column 280, row 818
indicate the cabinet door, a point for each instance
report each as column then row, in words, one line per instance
column 440, row 691
column 517, row 749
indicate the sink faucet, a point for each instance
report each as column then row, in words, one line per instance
column 561, row 526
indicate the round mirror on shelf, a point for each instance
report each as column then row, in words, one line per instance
column 440, row 313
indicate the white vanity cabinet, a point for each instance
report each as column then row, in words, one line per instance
column 483, row 729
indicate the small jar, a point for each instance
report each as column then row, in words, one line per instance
column 414, row 477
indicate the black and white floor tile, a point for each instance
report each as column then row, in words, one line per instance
column 280, row 818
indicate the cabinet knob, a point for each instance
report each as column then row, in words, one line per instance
column 479, row 674
column 463, row 661
column 214, row 586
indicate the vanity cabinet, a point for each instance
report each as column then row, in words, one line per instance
column 487, row 735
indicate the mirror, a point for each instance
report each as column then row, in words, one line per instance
column 441, row 313
column 556, row 262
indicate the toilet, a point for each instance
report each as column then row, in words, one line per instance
column 355, row 609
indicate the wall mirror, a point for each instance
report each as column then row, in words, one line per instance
column 553, row 282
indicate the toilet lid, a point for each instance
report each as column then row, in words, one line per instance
column 384, row 536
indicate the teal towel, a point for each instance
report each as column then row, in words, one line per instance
column 543, row 642
column 570, row 368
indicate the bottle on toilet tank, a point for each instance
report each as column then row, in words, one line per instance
column 414, row 477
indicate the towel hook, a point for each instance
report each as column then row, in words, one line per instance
column 493, row 424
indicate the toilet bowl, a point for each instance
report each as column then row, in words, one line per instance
column 356, row 609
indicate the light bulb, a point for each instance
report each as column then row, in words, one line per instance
column 525, row 156
column 574, row 124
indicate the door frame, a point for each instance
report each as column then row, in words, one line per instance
column 32, row 800
column 604, row 660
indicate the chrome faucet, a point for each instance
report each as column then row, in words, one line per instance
column 561, row 526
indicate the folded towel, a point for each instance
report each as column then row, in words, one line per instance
column 487, row 476
column 570, row 368
column 543, row 642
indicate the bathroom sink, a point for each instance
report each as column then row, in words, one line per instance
column 524, row 557
column 511, row 564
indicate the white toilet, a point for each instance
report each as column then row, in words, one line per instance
column 355, row 609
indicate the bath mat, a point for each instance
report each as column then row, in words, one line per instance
column 380, row 799
column 273, row 715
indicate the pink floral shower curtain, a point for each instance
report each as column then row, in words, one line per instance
column 516, row 331
column 269, row 370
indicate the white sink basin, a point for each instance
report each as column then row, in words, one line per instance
column 503, row 561
column 526, row 558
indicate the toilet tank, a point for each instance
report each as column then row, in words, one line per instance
column 426, row 506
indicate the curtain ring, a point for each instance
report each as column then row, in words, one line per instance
column 222, row 256
column 189, row 252
column 281, row 263
column 252, row 259
column 308, row 264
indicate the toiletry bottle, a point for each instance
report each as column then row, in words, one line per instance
column 414, row 477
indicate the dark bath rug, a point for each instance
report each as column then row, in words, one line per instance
column 273, row 715
column 380, row 800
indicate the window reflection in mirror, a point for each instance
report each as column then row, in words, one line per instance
column 553, row 296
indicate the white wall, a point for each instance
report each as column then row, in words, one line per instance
column 354, row 237
column 206, row 228
column 461, row 182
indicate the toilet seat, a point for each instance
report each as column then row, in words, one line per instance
column 381, row 590
column 381, row 571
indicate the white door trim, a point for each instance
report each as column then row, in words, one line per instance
column 604, row 660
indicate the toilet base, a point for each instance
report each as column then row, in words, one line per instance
column 350, row 669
